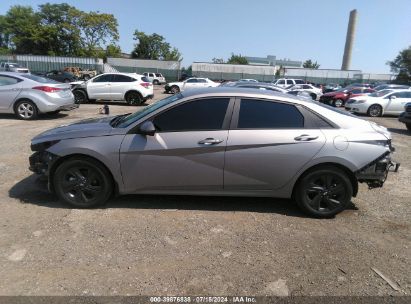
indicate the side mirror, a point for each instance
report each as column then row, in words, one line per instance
column 393, row 97
column 147, row 128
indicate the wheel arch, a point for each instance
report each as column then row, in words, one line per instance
column 133, row 91
column 22, row 99
column 81, row 89
column 345, row 169
column 62, row 159
column 376, row 104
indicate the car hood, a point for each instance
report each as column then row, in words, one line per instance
column 80, row 129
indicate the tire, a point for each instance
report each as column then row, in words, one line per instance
column 156, row 82
column 82, row 182
column 313, row 96
column 408, row 125
column 374, row 110
column 26, row 110
column 337, row 103
column 174, row 89
column 134, row 98
column 324, row 192
column 80, row 96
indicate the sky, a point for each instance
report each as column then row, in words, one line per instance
column 298, row 30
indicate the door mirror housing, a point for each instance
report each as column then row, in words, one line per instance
column 147, row 128
column 393, row 97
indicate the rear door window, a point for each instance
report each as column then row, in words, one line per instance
column 262, row 114
column 6, row 80
column 290, row 82
column 122, row 78
column 158, row 75
column 104, row 78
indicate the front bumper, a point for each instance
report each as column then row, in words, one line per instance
column 41, row 162
column 376, row 172
column 356, row 108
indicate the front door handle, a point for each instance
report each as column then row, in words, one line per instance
column 210, row 141
column 305, row 137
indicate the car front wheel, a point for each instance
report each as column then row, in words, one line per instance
column 408, row 125
column 174, row 89
column 26, row 109
column 338, row 103
column 374, row 110
column 80, row 96
column 324, row 192
column 82, row 182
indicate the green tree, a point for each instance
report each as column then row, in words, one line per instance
column 97, row 29
column 155, row 47
column 237, row 59
column 23, row 28
column 60, row 25
column 402, row 65
column 218, row 60
column 309, row 64
column 4, row 36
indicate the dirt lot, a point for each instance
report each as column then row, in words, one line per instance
column 143, row 245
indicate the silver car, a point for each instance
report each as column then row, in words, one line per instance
column 29, row 95
column 219, row 141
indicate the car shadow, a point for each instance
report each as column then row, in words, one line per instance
column 116, row 103
column 400, row 131
column 33, row 190
column 44, row 116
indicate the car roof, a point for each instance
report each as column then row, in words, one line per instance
column 11, row 73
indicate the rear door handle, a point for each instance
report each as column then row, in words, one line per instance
column 210, row 141
column 305, row 137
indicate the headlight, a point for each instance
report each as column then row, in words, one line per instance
column 43, row 146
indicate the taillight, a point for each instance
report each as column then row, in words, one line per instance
column 146, row 84
column 47, row 89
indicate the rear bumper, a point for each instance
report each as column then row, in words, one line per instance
column 376, row 172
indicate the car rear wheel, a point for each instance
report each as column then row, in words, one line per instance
column 26, row 109
column 82, row 182
column 338, row 103
column 134, row 98
column 324, row 192
column 80, row 96
column 174, row 89
column 374, row 110
column 156, row 82
column 408, row 125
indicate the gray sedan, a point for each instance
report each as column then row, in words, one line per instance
column 28, row 95
column 219, row 141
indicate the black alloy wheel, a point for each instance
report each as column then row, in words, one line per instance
column 82, row 183
column 324, row 193
column 134, row 98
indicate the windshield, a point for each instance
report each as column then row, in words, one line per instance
column 128, row 120
column 14, row 65
column 38, row 78
column 380, row 93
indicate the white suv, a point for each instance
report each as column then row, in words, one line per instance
column 285, row 82
column 131, row 87
column 155, row 78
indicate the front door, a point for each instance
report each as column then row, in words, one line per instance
column 185, row 155
column 267, row 145
column 190, row 84
column 10, row 88
column 100, row 87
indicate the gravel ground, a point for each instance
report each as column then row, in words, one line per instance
column 167, row 245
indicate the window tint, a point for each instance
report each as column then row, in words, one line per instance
column 205, row 114
column 5, row 80
column 158, row 75
column 202, row 80
column 122, row 78
column 356, row 91
column 281, row 82
column 151, row 75
column 401, row 95
column 145, row 79
column 192, row 80
column 290, row 82
column 260, row 114
column 299, row 81
column 306, row 87
column 103, row 78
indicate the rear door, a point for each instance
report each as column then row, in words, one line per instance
column 10, row 88
column 120, row 85
column 100, row 87
column 268, row 143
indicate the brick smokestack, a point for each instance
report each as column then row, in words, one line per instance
column 349, row 41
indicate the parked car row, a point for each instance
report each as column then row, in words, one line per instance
column 190, row 83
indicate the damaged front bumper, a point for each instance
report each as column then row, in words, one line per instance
column 376, row 172
column 41, row 162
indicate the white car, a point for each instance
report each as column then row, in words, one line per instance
column 285, row 82
column 13, row 67
column 380, row 103
column 314, row 92
column 190, row 83
column 131, row 87
column 155, row 78
column 248, row 80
